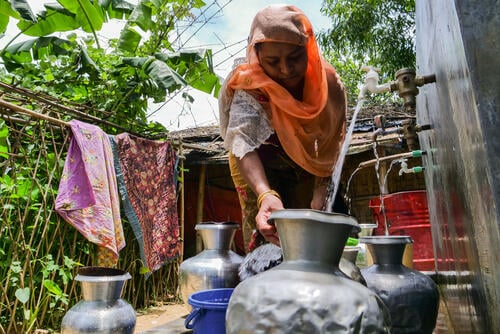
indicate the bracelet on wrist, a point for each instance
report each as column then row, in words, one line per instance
column 262, row 195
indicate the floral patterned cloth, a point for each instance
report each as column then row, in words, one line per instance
column 88, row 195
column 148, row 169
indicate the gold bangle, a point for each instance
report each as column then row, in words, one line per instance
column 266, row 193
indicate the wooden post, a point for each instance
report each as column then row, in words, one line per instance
column 181, row 201
column 201, row 200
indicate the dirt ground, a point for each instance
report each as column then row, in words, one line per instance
column 159, row 315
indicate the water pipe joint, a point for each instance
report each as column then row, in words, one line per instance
column 407, row 83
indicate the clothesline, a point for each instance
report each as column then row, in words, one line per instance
column 53, row 120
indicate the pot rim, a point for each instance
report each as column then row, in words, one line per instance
column 386, row 239
column 211, row 225
column 101, row 274
column 323, row 216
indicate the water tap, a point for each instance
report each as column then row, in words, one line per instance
column 406, row 84
column 371, row 83
column 405, row 169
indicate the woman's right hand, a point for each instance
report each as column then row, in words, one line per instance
column 268, row 231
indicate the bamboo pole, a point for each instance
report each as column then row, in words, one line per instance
column 182, row 203
column 31, row 113
column 201, row 199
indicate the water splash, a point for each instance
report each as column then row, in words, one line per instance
column 382, row 186
column 337, row 169
column 346, row 197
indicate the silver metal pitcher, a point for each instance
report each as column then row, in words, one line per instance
column 101, row 311
column 307, row 292
column 216, row 266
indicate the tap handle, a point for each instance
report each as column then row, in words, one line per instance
column 368, row 68
column 425, row 79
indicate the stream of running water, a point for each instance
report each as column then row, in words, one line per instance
column 337, row 169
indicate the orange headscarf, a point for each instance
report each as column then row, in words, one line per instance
column 311, row 131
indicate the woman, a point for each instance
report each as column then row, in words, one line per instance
column 283, row 120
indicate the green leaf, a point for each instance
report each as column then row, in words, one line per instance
column 129, row 40
column 137, row 62
column 87, row 63
column 23, row 187
column 190, row 56
column 54, row 19
column 4, row 150
column 143, row 270
column 29, row 50
column 7, row 11
column 23, row 295
column 142, row 17
column 164, row 76
column 4, row 129
column 52, row 287
column 119, row 9
column 4, row 22
column 24, row 9
column 89, row 15
column 20, row 52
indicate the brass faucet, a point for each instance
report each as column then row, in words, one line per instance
column 406, row 84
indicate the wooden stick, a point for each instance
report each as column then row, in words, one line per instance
column 182, row 204
column 31, row 113
column 201, row 199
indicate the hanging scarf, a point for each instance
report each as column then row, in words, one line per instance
column 148, row 169
column 311, row 131
column 88, row 197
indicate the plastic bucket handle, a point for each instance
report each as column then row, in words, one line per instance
column 191, row 318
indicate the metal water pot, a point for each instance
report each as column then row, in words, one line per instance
column 307, row 292
column 101, row 311
column 216, row 266
column 411, row 296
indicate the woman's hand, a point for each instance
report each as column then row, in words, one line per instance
column 319, row 194
column 251, row 169
column 268, row 205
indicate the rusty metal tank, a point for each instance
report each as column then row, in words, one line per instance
column 307, row 292
column 216, row 266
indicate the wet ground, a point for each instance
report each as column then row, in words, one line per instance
column 169, row 319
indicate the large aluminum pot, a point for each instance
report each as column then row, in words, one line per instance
column 101, row 311
column 216, row 266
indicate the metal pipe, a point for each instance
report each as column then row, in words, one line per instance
column 412, row 154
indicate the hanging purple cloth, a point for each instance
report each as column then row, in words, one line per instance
column 148, row 169
column 88, row 195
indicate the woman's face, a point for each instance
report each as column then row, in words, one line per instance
column 284, row 63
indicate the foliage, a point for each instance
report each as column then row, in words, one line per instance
column 34, row 272
column 39, row 253
column 118, row 80
column 380, row 33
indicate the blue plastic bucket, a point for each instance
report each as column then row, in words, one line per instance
column 208, row 315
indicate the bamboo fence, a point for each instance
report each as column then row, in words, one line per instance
column 39, row 252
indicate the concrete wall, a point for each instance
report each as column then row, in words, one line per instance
column 458, row 42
